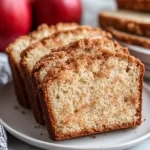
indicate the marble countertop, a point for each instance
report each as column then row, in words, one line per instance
column 90, row 17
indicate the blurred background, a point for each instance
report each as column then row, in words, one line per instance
column 19, row 17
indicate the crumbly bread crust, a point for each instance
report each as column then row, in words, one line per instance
column 21, row 95
column 32, row 54
column 15, row 48
column 98, row 44
column 57, row 74
column 124, row 23
column 138, row 5
column 130, row 38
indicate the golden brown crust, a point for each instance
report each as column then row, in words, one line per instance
column 38, row 114
column 130, row 38
column 88, row 43
column 18, row 81
column 20, row 93
column 71, row 64
column 35, row 33
column 55, row 36
column 104, row 53
column 124, row 24
column 138, row 5
column 91, row 43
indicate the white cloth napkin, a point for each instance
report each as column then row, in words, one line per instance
column 5, row 77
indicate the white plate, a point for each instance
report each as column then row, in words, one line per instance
column 142, row 53
column 23, row 125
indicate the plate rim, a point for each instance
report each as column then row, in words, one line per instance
column 136, row 48
column 34, row 141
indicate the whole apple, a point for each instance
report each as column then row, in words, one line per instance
column 54, row 11
column 15, row 20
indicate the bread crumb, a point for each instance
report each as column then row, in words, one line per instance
column 144, row 120
column 23, row 112
column 93, row 136
column 37, row 126
column 16, row 107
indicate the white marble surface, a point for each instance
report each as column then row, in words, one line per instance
column 90, row 17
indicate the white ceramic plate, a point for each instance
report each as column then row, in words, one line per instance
column 142, row 53
column 20, row 123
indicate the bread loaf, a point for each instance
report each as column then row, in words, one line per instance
column 128, row 21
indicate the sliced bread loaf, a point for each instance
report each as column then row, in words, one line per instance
column 128, row 21
column 44, row 65
column 130, row 38
column 92, row 93
column 138, row 5
column 15, row 48
column 34, row 53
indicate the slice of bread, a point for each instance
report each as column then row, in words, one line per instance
column 43, row 66
column 92, row 93
column 138, row 5
column 34, row 53
column 15, row 48
column 128, row 21
column 130, row 38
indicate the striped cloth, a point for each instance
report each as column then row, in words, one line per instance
column 3, row 138
column 5, row 77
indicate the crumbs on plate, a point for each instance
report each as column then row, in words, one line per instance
column 16, row 107
column 93, row 136
column 23, row 112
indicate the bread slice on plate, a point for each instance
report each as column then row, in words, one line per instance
column 42, row 67
column 15, row 48
column 138, row 5
column 35, row 52
column 133, row 22
column 130, row 38
column 92, row 93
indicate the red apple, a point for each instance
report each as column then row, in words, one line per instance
column 15, row 20
column 54, row 11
